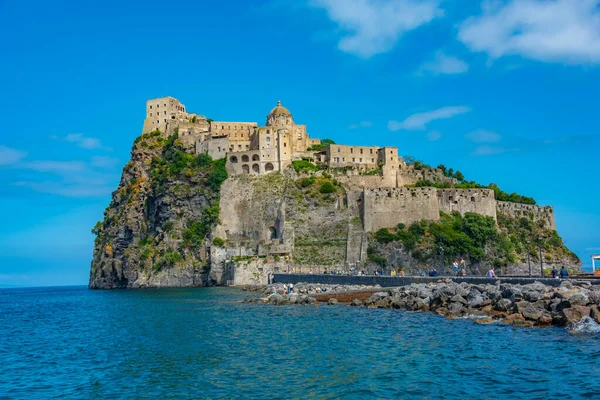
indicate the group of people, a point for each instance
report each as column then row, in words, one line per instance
column 287, row 288
column 463, row 268
column 562, row 274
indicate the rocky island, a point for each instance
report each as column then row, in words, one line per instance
column 204, row 202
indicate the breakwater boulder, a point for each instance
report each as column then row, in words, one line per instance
column 528, row 305
column 534, row 304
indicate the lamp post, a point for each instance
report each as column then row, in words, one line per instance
column 541, row 259
column 529, row 256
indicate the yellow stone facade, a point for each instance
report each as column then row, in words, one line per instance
column 254, row 149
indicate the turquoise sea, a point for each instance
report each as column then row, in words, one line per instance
column 201, row 343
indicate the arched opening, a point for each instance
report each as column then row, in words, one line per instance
column 245, row 158
column 255, row 157
column 269, row 167
column 255, row 168
column 272, row 233
column 245, row 169
column 233, row 159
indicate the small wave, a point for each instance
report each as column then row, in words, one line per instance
column 586, row 325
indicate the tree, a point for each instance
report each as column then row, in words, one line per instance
column 443, row 168
column 409, row 160
column 327, row 142
column 459, row 176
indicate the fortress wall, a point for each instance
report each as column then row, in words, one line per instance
column 480, row 201
column 535, row 213
column 408, row 175
column 354, row 182
column 386, row 207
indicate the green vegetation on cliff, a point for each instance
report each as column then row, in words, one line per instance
column 161, row 215
column 476, row 238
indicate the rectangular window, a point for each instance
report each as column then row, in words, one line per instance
column 351, row 151
column 361, row 159
column 372, row 160
column 151, row 107
column 353, row 159
column 150, row 114
column 344, row 159
column 239, row 146
column 371, row 151
column 361, row 150
column 339, row 150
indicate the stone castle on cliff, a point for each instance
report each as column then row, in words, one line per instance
column 382, row 196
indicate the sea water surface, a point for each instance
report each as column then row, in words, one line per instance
column 203, row 343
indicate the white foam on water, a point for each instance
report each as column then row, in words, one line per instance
column 586, row 325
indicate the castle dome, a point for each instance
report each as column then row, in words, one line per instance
column 280, row 110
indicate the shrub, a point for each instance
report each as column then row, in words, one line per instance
column 218, row 242
column 306, row 182
column 327, row 187
column 168, row 226
column 218, row 175
column 384, row 236
column 170, row 258
column 304, row 166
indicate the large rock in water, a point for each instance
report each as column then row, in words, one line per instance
column 575, row 313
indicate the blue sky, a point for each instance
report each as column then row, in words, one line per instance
column 504, row 91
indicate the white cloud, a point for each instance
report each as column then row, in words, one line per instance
column 104, row 162
column 10, row 156
column 419, row 121
column 82, row 141
column 361, row 124
column 56, row 167
column 483, row 136
column 434, row 136
column 67, row 189
column 443, row 64
column 546, row 30
column 372, row 27
column 486, row 150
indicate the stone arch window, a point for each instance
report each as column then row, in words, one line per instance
column 255, row 157
column 255, row 168
column 272, row 233
column 269, row 167
column 233, row 159
column 245, row 158
column 268, row 139
column 245, row 169
column 268, row 132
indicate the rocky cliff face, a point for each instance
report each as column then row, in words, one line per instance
column 177, row 220
column 155, row 230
